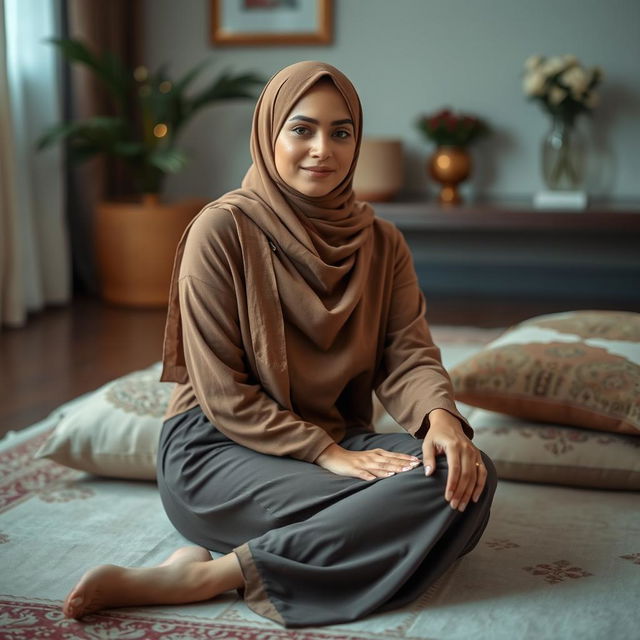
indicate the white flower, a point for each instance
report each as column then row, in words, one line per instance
column 592, row 100
column 557, row 95
column 534, row 83
column 553, row 65
column 532, row 62
column 577, row 79
column 562, row 85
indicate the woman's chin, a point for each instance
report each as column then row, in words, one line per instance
column 314, row 187
column 314, row 190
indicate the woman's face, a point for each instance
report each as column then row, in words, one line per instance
column 315, row 147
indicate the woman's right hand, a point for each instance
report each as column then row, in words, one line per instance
column 367, row 465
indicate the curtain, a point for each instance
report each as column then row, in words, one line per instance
column 112, row 25
column 34, row 251
column 46, row 208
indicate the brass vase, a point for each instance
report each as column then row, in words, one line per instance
column 450, row 166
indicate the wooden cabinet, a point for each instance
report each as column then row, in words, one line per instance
column 510, row 248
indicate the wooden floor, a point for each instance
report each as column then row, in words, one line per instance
column 64, row 352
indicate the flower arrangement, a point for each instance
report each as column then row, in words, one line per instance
column 446, row 128
column 561, row 85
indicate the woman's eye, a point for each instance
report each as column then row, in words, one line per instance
column 300, row 131
column 343, row 134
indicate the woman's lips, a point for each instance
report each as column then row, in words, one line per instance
column 318, row 172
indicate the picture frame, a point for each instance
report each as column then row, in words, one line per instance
column 271, row 22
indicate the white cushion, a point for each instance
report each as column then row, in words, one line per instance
column 551, row 453
column 114, row 431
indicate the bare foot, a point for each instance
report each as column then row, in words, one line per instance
column 185, row 576
column 187, row 554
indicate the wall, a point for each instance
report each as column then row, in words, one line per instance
column 409, row 57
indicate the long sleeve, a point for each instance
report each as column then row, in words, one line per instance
column 412, row 380
column 227, row 392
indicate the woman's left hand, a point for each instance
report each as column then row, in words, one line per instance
column 467, row 473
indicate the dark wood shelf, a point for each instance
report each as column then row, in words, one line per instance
column 510, row 248
column 511, row 215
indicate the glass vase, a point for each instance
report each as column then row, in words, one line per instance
column 563, row 156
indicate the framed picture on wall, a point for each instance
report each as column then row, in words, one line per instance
column 271, row 22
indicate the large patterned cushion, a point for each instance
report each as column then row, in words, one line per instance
column 578, row 368
column 535, row 452
column 113, row 431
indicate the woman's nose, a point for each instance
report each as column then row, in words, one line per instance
column 321, row 147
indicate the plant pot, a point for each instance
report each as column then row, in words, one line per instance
column 135, row 246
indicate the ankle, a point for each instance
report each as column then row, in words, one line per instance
column 201, row 580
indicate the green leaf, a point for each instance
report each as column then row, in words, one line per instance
column 55, row 133
column 226, row 87
column 168, row 160
column 129, row 149
column 89, row 136
column 160, row 74
column 80, row 152
column 189, row 77
column 95, row 128
column 76, row 51
column 108, row 68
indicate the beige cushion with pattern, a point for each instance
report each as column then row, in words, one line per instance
column 536, row 452
column 578, row 368
column 113, row 431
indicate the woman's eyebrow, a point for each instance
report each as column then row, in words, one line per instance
column 314, row 121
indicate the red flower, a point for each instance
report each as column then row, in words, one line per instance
column 446, row 128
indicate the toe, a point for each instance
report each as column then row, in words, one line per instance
column 73, row 603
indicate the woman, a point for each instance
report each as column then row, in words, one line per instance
column 290, row 304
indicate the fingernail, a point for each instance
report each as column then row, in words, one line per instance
column 76, row 601
column 463, row 506
column 406, row 468
column 427, row 470
column 454, row 504
column 390, row 473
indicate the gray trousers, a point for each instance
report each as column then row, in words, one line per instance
column 326, row 548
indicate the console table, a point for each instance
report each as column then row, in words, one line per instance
column 510, row 248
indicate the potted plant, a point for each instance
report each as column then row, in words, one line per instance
column 135, row 241
column 452, row 133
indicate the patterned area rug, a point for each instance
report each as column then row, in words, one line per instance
column 554, row 563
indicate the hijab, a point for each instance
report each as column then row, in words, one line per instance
column 305, row 258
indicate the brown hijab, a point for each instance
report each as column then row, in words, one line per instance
column 305, row 258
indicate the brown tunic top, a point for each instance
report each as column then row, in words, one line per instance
column 385, row 346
